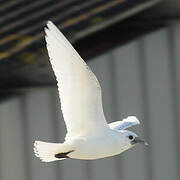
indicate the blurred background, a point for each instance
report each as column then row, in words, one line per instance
column 133, row 47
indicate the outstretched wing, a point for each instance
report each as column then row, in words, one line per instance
column 124, row 124
column 79, row 89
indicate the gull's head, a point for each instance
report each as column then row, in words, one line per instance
column 132, row 139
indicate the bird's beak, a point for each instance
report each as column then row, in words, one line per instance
column 140, row 141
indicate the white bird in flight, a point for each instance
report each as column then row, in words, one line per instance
column 88, row 134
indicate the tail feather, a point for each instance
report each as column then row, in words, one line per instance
column 47, row 151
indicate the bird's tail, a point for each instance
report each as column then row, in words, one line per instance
column 49, row 152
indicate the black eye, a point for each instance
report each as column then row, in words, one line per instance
column 131, row 137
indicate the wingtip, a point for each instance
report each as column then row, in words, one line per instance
column 133, row 119
column 46, row 30
column 49, row 22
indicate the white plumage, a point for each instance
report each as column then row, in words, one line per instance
column 88, row 134
column 79, row 90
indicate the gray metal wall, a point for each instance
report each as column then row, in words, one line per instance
column 141, row 78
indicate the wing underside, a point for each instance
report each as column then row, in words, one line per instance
column 79, row 89
column 125, row 123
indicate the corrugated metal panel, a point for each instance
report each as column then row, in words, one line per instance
column 140, row 78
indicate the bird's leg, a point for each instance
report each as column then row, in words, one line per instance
column 63, row 155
